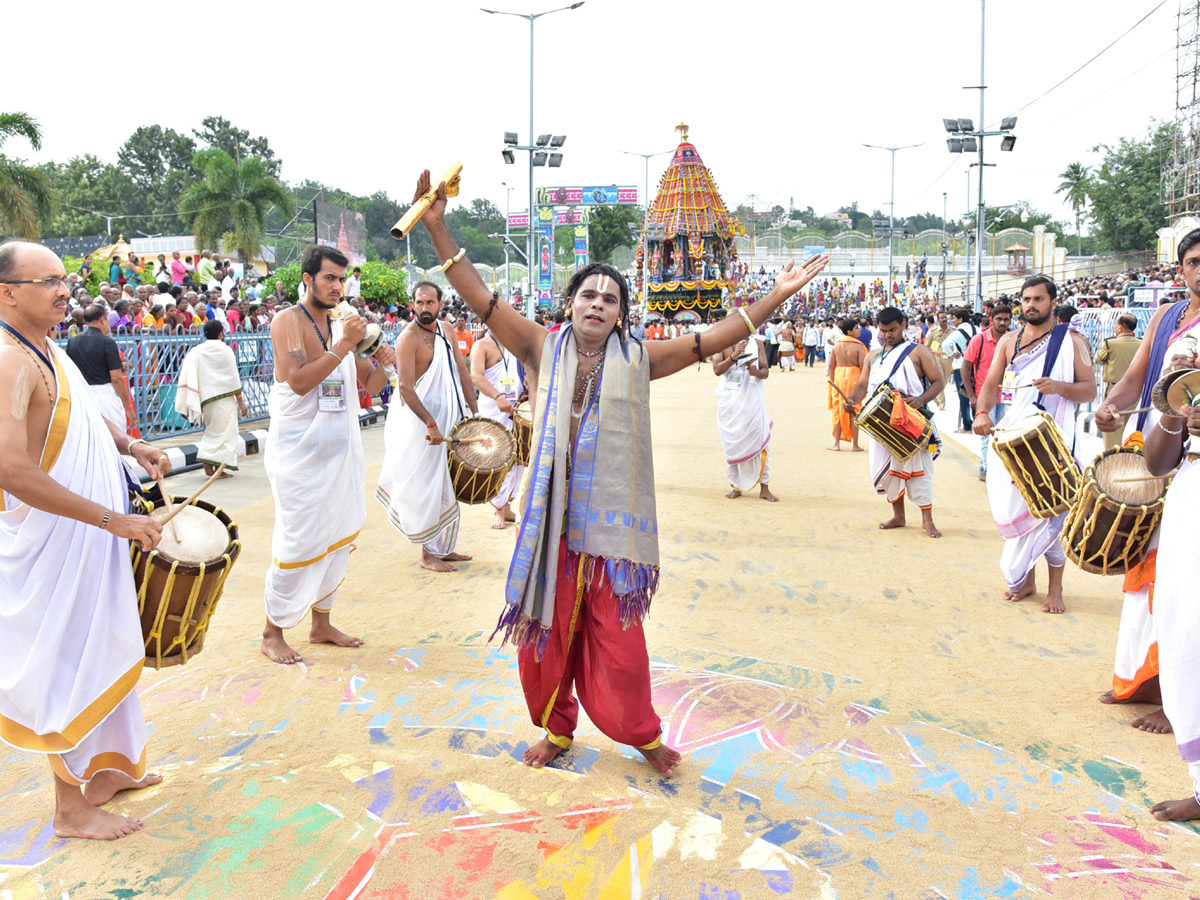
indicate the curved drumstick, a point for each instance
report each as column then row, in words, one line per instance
column 192, row 499
column 167, row 505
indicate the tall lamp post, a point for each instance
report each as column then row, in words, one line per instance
column 646, row 216
column 966, row 139
column 507, row 239
column 531, row 238
column 891, row 209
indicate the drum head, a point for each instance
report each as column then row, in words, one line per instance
column 882, row 394
column 523, row 413
column 1112, row 468
column 1016, row 429
column 495, row 451
column 202, row 536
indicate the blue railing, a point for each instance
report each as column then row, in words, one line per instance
column 152, row 365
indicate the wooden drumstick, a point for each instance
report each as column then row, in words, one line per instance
column 1136, row 411
column 192, row 499
column 839, row 390
column 167, row 505
column 1137, row 479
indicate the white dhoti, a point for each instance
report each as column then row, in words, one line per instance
column 894, row 478
column 220, row 442
column 109, row 403
column 314, row 461
column 414, row 482
column 503, row 377
column 1026, row 539
column 745, row 426
column 71, row 642
column 1177, row 615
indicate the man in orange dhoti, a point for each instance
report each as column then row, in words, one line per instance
column 844, row 368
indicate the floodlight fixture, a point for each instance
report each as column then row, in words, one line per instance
column 543, row 140
column 1008, row 142
column 954, row 145
column 555, row 160
column 1008, row 123
column 951, row 125
column 509, row 156
column 510, row 138
column 539, row 158
column 966, row 125
column 558, row 140
column 970, row 145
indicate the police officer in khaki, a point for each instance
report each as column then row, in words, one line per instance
column 1116, row 355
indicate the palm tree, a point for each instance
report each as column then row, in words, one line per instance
column 231, row 203
column 1074, row 185
column 26, row 197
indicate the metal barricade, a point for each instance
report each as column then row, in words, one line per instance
column 152, row 365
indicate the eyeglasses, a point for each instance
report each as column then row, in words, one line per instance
column 54, row 282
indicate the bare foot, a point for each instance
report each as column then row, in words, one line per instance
column 855, row 448
column 456, row 557
column 1054, row 603
column 225, row 475
column 893, row 522
column 764, row 493
column 1146, row 692
column 509, row 515
column 499, row 520
column 208, row 470
column 836, row 447
column 1029, row 587
column 322, row 632
column 278, row 651
column 1176, row 810
column 733, row 495
column 983, row 476
column 541, row 753
column 1155, row 723
column 663, row 758
column 97, row 824
column 927, row 524
column 434, row 564
column 108, row 783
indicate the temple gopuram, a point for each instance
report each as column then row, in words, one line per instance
column 692, row 259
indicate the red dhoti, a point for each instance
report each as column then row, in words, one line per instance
column 590, row 652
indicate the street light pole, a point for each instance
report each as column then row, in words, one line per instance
column 531, row 238
column 507, row 239
column 891, row 209
column 646, row 216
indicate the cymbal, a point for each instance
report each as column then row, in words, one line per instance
column 1176, row 389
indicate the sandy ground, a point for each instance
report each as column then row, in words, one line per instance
column 860, row 714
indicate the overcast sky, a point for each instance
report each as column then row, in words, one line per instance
column 779, row 97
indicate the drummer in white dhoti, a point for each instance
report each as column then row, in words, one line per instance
column 742, row 417
column 1041, row 366
column 314, row 456
column 414, row 483
column 71, row 647
column 210, row 391
column 496, row 375
column 913, row 372
column 1174, row 330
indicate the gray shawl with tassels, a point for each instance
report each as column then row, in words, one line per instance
column 608, row 510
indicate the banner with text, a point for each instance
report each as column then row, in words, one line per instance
column 545, row 218
column 610, row 195
column 581, row 246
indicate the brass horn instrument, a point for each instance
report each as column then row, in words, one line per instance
column 413, row 216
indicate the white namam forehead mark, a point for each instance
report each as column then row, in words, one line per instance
column 602, row 284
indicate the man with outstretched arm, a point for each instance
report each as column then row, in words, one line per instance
column 586, row 564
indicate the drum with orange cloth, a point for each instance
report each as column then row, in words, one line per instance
column 902, row 435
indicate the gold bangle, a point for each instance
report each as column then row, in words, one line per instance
column 129, row 446
column 746, row 318
column 457, row 256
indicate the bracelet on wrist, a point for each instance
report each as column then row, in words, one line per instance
column 431, row 425
column 1177, row 431
column 457, row 256
column 335, row 356
column 129, row 446
column 104, row 521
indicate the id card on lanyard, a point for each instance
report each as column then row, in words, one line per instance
column 1008, row 387
column 332, row 396
column 508, row 385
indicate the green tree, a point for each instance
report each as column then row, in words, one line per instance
column 220, row 133
column 156, row 165
column 1074, row 185
column 232, row 202
column 85, row 186
column 1127, row 206
column 609, row 229
column 26, row 197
